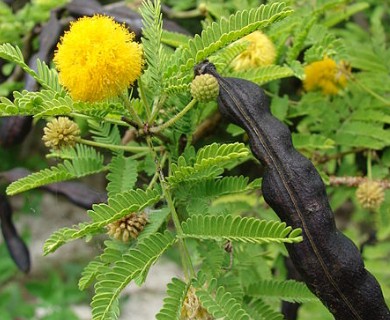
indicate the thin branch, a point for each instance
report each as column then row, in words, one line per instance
column 355, row 181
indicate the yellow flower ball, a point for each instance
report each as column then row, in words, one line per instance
column 259, row 53
column 326, row 75
column 97, row 59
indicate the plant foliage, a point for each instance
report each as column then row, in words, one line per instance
column 175, row 162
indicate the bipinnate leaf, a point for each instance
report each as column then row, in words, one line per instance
column 244, row 229
column 176, row 293
column 84, row 161
column 218, row 302
column 209, row 162
column 287, row 290
column 260, row 310
column 114, row 279
column 216, row 36
column 102, row 214
column 122, row 175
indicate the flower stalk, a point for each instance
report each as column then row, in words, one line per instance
column 177, row 117
column 134, row 149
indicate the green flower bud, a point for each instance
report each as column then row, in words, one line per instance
column 204, row 88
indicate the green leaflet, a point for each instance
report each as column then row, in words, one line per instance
column 216, row 36
column 239, row 229
column 112, row 252
column 287, row 290
column 213, row 257
column 259, row 310
column 40, row 178
column 122, row 176
column 214, row 188
column 39, row 104
column 102, row 214
column 151, row 43
column 265, row 74
column 217, row 300
column 156, row 219
column 47, row 78
column 209, row 162
column 174, row 39
column 86, row 161
column 105, row 132
column 132, row 264
column 89, row 274
column 363, row 134
column 176, row 293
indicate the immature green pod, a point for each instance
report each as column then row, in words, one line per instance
column 328, row 261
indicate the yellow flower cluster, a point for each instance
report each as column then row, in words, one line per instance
column 97, row 58
column 259, row 53
column 326, row 75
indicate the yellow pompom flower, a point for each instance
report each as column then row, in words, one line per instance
column 97, row 59
column 259, row 53
column 326, row 75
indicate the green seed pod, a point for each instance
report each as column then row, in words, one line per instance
column 204, row 88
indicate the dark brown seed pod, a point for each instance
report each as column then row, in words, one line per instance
column 13, row 130
column 328, row 261
column 78, row 193
column 15, row 245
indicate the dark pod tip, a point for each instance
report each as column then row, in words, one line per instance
column 15, row 244
column 19, row 253
column 205, row 67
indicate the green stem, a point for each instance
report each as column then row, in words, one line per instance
column 371, row 92
column 156, row 175
column 143, row 97
column 185, row 256
column 86, row 117
column 134, row 149
column 156, row 108
column 369, row 165
column 130, row 108
column 171, row 121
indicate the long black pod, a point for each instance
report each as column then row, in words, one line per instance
column 328, row 261
column 15, row 244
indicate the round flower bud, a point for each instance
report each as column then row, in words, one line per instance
column 370, row 194
column 60, row 132
column 128, row 227
column 204, row 88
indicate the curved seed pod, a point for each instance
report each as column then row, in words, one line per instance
column 16, row 247
column 76, row 192
column 328, row 261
